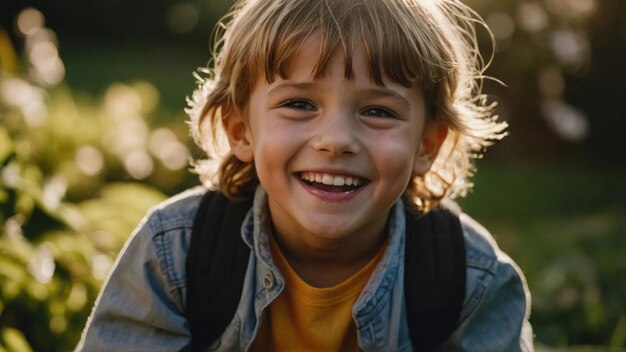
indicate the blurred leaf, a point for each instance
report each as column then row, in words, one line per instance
column 14, row 340
column 618, row 339
column 6, row 145
column 13, row 277
column 134, row 199
column 8, row 58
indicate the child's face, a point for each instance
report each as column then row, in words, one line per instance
column 334, row 154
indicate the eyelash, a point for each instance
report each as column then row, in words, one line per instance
column 298, row 104
column 386, row 112
column 378, row 111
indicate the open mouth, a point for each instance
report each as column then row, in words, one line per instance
column 332, row 183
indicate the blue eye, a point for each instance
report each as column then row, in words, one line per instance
column 298, row 104
column 378, row 111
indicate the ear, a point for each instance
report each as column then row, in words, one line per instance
column 433, row 136
column 238, row 133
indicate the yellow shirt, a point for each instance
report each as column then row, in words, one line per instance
column 306, row 318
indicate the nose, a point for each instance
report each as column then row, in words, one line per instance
column 337, row 134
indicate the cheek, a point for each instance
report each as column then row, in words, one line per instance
column 397, row 148
column 394, row 158
column 273, row 148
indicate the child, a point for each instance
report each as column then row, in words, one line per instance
column 336, row 117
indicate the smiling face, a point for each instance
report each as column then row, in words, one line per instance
column 333, row 153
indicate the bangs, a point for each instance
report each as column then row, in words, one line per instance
column 385, row 30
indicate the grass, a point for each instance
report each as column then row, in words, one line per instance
column 564, row 225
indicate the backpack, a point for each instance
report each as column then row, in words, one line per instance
column 216, row 264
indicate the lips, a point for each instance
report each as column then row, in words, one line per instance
column 332, row 182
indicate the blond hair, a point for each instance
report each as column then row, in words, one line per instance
column 429, row 42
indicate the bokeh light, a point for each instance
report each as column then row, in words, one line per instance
column 551, row 82
column 41, row 47
column 532, row 17
column 42, row 265
column 53, row 191
column 568, row 122
column 101, row 264
column 29, row 21
column 138, row 164
column 575, row 9
column 571, row 48
column 164, row 144
column 28, row 99
column 501, row 24
column 89, row 160
column 121, row 102
column 182, row 17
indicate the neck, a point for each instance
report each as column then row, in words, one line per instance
column 328, row 262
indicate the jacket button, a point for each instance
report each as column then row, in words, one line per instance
column 268, row 281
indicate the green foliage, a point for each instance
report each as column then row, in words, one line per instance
column 68, row 199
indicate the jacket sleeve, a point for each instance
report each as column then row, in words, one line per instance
column 497, row 303
column 141, row 307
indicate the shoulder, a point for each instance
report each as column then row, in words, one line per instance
column 161, row 241
column 147, row 283
column 178, row 211
column 488, row 267
column 497, row 296
column 482, row 251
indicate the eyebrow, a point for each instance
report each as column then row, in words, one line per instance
column 369, row 92
column 388, row 93
column 286, row 86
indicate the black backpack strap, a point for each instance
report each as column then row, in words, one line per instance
column 434, row 276
column 216, row 266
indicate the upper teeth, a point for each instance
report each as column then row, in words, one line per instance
column 331, row 180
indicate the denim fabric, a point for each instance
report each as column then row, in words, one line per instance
column 141, row 306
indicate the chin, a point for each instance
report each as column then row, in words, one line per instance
column 330, row 232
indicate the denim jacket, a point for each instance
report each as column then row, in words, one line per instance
column 142, row 304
